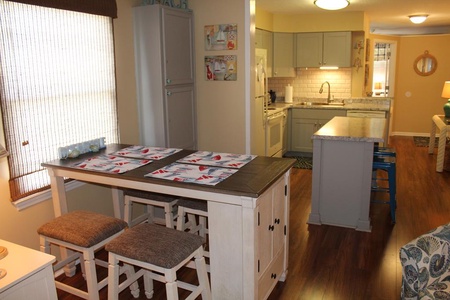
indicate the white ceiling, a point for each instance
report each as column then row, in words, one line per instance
column 386, row 16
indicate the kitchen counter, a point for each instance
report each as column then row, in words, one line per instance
column 352, row 130
column 342, row 171
column 375, row 104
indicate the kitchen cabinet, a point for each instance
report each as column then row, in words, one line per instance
column 323, row 49
column 164, row 52
column 283, row 55
column 29, row 274
column 264, row 40
column 272, row 237
column 305, row 122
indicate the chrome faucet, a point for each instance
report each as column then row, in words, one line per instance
column 321, row 90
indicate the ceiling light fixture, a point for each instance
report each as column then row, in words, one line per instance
column 332, row 4
column 418, row 19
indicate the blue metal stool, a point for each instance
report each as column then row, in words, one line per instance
column 383, row 151
column 387, row 164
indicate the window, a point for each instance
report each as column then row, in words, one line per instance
column 57, row 86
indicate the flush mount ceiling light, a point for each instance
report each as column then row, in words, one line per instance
column 332, row 4
column 417, row 19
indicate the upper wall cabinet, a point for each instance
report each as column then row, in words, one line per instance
column 264, row 40
column 283, row 54
column 323, row 49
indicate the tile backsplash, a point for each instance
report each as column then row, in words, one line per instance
column 308, row 82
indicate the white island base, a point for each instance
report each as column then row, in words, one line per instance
column 342, row 172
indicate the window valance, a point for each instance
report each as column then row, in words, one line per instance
column 106, row 8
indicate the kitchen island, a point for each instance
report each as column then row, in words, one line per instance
column 248, row 215
column 342, row 171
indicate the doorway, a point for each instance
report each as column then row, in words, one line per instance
column 383, row 80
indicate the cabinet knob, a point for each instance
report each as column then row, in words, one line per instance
column 277, row 221
column 168, row 81
column 169, row 93
column 274, row 276
column 271, row 227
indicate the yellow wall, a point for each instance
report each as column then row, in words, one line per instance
column 333, row 21
column 418, row 98
column 221, row 105
column 264, row 19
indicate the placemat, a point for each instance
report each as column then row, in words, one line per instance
column 142, row 152
column 192, row 173
column 111, row 164
column 217, row 159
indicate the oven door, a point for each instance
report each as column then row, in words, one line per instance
column 274, row 140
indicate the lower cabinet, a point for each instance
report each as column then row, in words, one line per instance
column 272, row 237
column 305, row 122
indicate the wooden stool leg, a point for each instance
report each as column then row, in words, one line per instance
column 202, row 275
column 150, row 209
column 180, row 219
column 172, row 290
column 148, row 285
column 129, row 272
column 169, row 216
column 113, row 277
column 128, row 209
column 91, row 274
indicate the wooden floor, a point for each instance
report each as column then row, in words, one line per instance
column 333, row 263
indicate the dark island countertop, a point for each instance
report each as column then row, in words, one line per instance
column 251, row 180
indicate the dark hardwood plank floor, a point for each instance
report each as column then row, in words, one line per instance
column 333, row 263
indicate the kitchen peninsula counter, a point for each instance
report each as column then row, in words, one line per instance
column 342, row 171
column 248, row 249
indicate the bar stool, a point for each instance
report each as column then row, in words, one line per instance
column 159, row 252
column 150, row 200
column 188, row 210
column 83, row 233
column 384, row 151
column 387, row 164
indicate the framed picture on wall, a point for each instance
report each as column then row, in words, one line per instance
column 221, row 68
column 221, row 37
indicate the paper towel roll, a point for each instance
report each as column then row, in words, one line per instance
column 288, row 94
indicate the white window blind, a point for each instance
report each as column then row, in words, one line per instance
column 57, row 87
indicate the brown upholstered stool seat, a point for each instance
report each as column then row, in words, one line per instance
column 193, row 204
column 82, row 228
column 153, row 244
column 159, row 252
column 150, row 195
column 83, row 233
column 151, row 201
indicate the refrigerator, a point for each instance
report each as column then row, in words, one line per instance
column 261, row 100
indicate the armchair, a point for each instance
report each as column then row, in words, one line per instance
column 426, row 266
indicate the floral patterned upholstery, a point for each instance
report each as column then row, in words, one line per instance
column 425, row 262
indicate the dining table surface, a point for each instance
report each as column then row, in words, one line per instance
column 251, row 180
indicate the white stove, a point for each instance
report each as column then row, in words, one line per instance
column 269, row 111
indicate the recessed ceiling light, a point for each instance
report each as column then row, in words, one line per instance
column 332, row 4
column 417, row 19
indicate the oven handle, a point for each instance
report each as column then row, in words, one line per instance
column 276, row 116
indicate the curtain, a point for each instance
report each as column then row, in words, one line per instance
column 57, row 87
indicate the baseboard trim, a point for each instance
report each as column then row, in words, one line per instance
column 397, row 133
